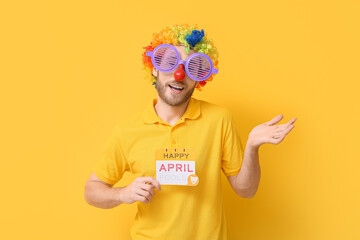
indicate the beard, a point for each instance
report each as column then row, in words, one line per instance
column 173, row 99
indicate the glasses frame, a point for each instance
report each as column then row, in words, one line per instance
column 186, row 64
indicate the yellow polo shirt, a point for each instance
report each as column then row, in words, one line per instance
column 177, row 211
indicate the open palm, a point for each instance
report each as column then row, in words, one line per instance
column 269, row 133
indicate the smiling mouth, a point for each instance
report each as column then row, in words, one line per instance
column 176, row 89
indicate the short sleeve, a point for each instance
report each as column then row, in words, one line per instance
column 232, row 149
column 112, row 164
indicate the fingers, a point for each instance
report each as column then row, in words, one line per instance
column 280, row 128
column 282, row 135
column 288, row 129
column 286, row 125
column 145, row 196
column 278, row 118
column 151, row 180
column 292, row 120
column 149, row 188
column 275, row 120
column 143, row 188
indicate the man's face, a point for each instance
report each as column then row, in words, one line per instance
column 165, row 79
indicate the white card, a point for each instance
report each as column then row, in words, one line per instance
column 176, row 172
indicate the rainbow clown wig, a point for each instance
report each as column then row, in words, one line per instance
column 190, row 37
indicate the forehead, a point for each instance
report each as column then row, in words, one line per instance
column 181, row 49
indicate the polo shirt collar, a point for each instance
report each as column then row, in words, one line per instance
column 192, row 111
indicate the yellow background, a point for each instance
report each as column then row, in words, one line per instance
column 71, row 70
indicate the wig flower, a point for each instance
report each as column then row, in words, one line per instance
column 195, row 37
column 186, row 35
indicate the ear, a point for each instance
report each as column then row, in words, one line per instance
column 154, row 72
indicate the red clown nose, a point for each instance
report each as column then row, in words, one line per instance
column 179, row 75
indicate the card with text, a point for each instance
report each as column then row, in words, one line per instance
column 176, row 167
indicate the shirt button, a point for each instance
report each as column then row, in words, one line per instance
column 173, row 141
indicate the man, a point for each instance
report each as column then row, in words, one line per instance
column 179, row 145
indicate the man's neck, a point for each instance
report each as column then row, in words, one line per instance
column 168, row 113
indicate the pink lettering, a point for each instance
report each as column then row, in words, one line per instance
column 189, row 169
column 179, row 166
column 162, row 168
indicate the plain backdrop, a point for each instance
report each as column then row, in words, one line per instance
column 71, row 70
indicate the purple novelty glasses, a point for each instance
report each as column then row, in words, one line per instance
column 166, row 58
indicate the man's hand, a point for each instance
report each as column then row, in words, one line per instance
column 141, row 189
column 270, row 133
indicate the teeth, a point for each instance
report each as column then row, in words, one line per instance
column 180, row 88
